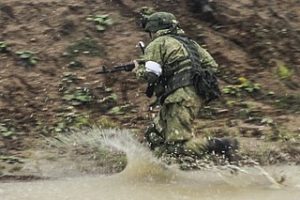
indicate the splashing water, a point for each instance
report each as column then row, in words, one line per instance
column 146, row 177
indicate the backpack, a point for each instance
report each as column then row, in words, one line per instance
column 203, row 79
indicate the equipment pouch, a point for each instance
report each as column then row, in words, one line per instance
column 206, row 84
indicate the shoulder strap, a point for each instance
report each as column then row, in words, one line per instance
column 191, row 48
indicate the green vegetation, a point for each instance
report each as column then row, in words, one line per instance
column 244, row 86
column 73, row 94
column 71, row 121
column 3, row 47
column 86, row 46
column 289, row 102
column 101, row 21
column 67, row 79
column 7, row 131
column 28, row 57
column 120, row 110
column 78, row 96
column 112, row 98
column 284, row 72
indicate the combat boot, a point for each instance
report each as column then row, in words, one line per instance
column 153, row 138
column 223, row 146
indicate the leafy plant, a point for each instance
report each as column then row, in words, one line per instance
column 267, row 121
column 86, row 46
column 244, row 86
column 119, row 110
column 101, row 21
column 111, row 98
column 28, row 57
column 67, row 81
column 231, row 89
column 78, row 97
column 3, row 47
column 248, row 85
column 69, row 77
column 284, row 72
column 71, row 121
column 7, row 132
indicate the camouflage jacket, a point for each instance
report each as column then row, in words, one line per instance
column 171, row 55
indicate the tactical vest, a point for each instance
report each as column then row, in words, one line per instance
column 203, row 79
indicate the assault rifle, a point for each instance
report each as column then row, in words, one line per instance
column 128, row 67
column 124, row 67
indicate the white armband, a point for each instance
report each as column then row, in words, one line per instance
column 153, row 67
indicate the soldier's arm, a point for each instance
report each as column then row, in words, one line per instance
column 152, row 58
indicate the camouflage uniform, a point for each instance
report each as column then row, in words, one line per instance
column 172, row 130
column 172, row 127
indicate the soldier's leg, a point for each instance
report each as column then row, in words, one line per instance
column 172, row 130
column 167, row 129
column 179, row 137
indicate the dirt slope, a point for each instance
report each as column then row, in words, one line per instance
column 256, row 41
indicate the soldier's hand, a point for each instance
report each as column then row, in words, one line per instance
column 136, row 66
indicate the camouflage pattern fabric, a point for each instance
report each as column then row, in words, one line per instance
column 174, row 121
column 177, row 113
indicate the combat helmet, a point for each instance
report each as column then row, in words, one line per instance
column 159, row 21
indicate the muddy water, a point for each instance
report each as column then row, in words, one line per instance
column 147, row 178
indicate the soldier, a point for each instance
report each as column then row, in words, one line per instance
column 179, row 73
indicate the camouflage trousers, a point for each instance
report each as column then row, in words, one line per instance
column 172, row 129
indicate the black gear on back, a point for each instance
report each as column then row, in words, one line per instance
column 203, row 79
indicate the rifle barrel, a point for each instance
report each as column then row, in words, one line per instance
column 124, row 67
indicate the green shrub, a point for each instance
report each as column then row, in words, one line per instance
column 86, row 46
column 78, row 96
column 3, row 47
column 28, row 57
column 101, row 21
column 244, row 86
column 284, row 72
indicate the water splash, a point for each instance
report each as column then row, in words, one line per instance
column 141, row 163
column 146, row 177
column 143, row 166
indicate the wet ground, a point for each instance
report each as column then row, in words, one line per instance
column 146, row 177
column 192, row 185
column 256, row 40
